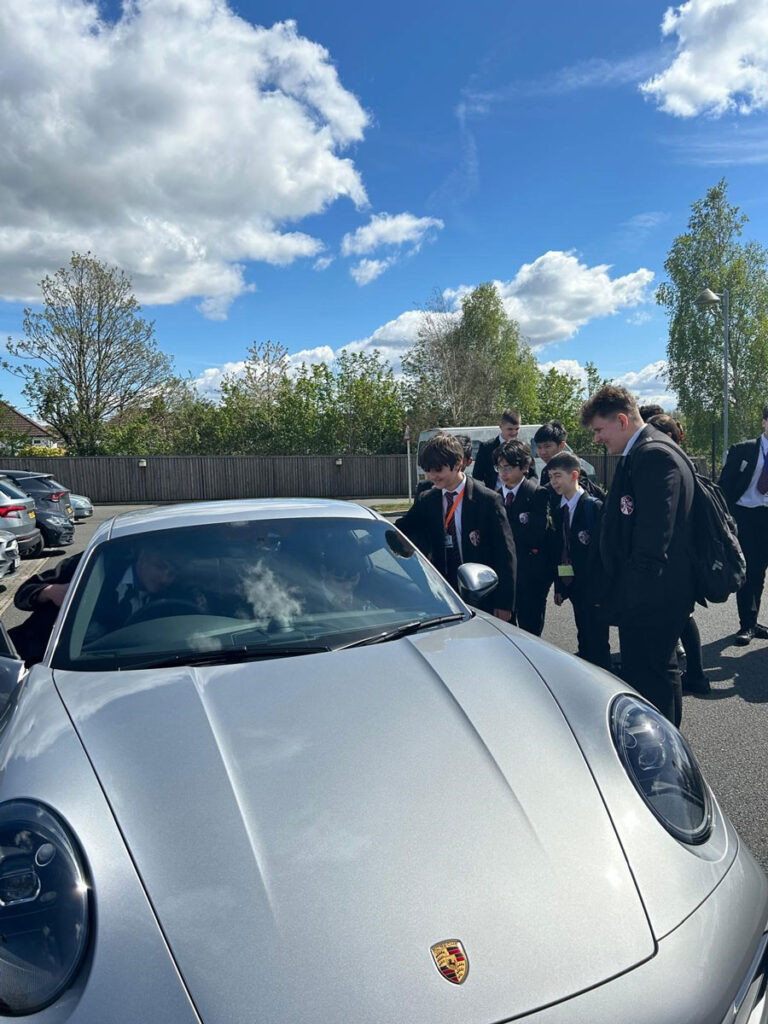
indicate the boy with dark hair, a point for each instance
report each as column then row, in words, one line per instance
column 526, row 507
column 484, row 470
column 467, row 461
column 645, row 545
column 646, row 411
column 550, row 439
column 577, row 550
column 461, row 520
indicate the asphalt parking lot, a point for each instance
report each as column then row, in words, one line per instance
column 727, row 729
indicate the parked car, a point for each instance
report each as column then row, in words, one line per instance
column 9, row 553
column 17, row 516
column 320, row 784
column 55, row 517
column 81, row 506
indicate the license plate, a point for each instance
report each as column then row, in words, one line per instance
column 69, row 511
column 16, row 562
column 31, row 515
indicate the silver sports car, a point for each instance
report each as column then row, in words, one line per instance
column 273, row 769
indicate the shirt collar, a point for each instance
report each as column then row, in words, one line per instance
column 572, row 502
column 510, row 490
column 458, row 490
column 632, row 439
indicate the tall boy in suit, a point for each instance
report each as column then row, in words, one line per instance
column 461, row 520
column 525, row 503
column 577, row 557
column 744, row 481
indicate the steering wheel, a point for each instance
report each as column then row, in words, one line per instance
column 162, row 608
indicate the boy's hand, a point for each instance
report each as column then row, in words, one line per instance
column 502, row 613
column 558, row 599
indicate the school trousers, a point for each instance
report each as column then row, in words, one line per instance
column 753, row 537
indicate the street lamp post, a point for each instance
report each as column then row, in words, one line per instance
column 707, row 299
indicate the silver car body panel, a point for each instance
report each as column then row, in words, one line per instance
column 303, row 834
column 304, row 829
column 690, row 872
column 129, row 975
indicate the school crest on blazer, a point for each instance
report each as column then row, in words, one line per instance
column 474, row 538
column 627, row 504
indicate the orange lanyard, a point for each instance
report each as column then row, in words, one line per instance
column 454, row 506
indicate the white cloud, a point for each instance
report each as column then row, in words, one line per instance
column 557, row 294
column 322, row 263
column 403, row 232
column 388, row 229
column 208, row 383
column 570, row 366
column 721, row 62
column 551, row 298
column 648, row 385
column 368, row 270
column 177, row 142
column 642, row 316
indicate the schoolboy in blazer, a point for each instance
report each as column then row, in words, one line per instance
column 461, row 520
column 744, row 481
column 645, row 545
column 484, row 470
column 525, row 503
column 577, row 566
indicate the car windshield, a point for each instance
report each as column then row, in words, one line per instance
column 237, row 591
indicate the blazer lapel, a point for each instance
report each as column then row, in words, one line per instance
column 468, row 519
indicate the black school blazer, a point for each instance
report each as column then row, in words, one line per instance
column 485, row 536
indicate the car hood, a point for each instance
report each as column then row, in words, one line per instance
column 307, row 828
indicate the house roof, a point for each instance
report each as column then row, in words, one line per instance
column 16, row 422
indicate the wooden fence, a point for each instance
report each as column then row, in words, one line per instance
column 124, row 480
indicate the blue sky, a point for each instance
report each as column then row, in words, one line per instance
column 312, row 173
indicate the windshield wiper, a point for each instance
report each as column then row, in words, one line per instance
column 403, row 630
column 226, row 656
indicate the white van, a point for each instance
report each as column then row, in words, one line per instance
column 480, row 434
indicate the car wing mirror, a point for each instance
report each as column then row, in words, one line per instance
column 476, row 580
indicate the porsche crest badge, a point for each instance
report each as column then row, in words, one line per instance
column 451, row 960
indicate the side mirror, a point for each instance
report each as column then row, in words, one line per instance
column 476, row 580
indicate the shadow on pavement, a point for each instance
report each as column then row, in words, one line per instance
column 746, row 668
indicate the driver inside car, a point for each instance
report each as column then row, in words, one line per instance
column 148, row 588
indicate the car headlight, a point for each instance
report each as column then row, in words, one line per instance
column 44, row 908
column 662, row 768
column 58, row 520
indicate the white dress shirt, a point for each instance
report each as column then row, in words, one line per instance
column 509, row 490
column 632, row 439
column 752, row 498
column 457, row 513
column 572, row 502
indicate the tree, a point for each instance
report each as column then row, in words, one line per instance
column 710, row 254
column 93, row 356
column 465, row 367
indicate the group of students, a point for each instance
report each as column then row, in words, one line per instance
column 534, row 532
column 620, row 559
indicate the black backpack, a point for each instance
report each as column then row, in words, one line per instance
column 718, row 560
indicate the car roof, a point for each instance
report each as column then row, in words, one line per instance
column 25, row 474
column 166, row 517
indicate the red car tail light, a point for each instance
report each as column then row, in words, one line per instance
column 12, row 511
column 56, row 495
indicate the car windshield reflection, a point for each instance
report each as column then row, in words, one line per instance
column 228, row 592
